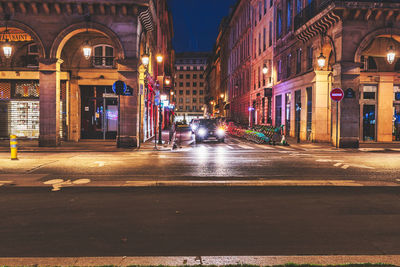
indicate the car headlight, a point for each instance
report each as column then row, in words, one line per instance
column 202, row 132
column 194, row 127
column 220, row 132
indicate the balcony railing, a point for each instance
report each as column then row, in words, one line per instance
column 317, row 6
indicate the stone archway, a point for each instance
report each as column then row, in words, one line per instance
column 32, row 33
column 366, row 41
column 72, row 30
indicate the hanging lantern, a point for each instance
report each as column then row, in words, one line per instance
column 145, row 60
column 265, row 69
column 7, row 49
column 321, row 60
column 391, row 55
column 87, row 50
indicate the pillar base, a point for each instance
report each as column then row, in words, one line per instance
column 127, row 142
column 349, row 142
column 48, row 142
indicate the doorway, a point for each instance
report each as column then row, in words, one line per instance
column 99, row 112
column 369, row 122
column 297, row 118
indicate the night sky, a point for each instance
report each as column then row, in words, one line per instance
column 196, row 23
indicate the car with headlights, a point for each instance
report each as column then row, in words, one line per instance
column 194, row 124
column 209, row 129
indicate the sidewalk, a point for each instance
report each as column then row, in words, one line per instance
column 94, row 145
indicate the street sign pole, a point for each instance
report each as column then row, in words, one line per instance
column 337, row 95
column 337, row 122
column 119, row 122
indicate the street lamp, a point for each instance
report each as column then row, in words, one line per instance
column 87, row 50
column 167, row 81
column 145, row 60
column 222, row 96
column 265, row 69
column 7, row 48
column 391, row 55
column 321, row 60
column 159, row 58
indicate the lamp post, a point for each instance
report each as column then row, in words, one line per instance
column 162, row 98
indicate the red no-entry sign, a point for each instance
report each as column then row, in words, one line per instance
column 337, row 94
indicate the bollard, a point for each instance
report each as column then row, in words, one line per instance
column 13, row 147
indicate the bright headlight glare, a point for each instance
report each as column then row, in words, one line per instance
column 194, row 127
column 202, row 132
column 220, row 132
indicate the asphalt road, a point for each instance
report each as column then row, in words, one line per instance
column 233, row 160
column 199, row 221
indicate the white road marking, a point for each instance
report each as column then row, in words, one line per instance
column 100, row 163
column 229, row 147
column 54, row 181
column 371, row 149
column 246, row 147
column 337, row 164
column 264, row 147
column 81, row 181
column 162, row 156
column 345, row 166
column 323, row 160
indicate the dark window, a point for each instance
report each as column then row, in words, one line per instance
column 270, row 34
column 310, row 57
column 181, row 68
column 194, row 108
column 264, row 39
column 298, row 61
column 194, row 84
column 278, row 110
column 188, row 92
column 201, row 76
column 181, row 92
column 194, row 76
column 201, row 84
column 279, row 24
column 201, row 92
column 180, row 100
column 265, row 7
column 194, row 100
column 201, row 68
column 259, row 10
column 33, row 56
column 270, row 3
column 187, row 76
column 289, row 14
column 288, row 65
column 188, row 84
column 194, row 92
column 181, row 84
column 372, row 64
column 180, row 76
column 279, row 70
column 180, row 107
column 397, row 65
column 299, row 6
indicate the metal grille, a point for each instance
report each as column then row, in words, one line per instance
column 5, row 90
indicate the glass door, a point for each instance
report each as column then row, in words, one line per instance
column 369, row 122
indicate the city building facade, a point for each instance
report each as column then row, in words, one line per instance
column 326, row 44
column 190, row 88
column 239, row 64
column 60, row 60
column 261, row 62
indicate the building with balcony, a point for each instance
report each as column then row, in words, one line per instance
column 325, row 44
column 190, row 90
column 62, row 60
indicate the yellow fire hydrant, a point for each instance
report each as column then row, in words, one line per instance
column 14, row 147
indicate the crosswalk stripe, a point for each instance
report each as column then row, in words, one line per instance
column 229, row 147
column 246, row 147
column 264, row 147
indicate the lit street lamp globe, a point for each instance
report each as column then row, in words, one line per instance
column 391, row 55
column 159, row 58
column 321, row 60
column 87, row 50
column 265, row 69
column 145, row 60
column 7, row 49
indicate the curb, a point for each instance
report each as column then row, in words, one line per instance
column 202, row 260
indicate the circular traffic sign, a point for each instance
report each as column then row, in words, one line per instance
column 337, row 94
column 119, row 87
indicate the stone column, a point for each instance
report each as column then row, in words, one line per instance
column 49, row 80
column 74, row 127
column 384, row 109
column 347, row 75
column 129, row 112
column 321, row 122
